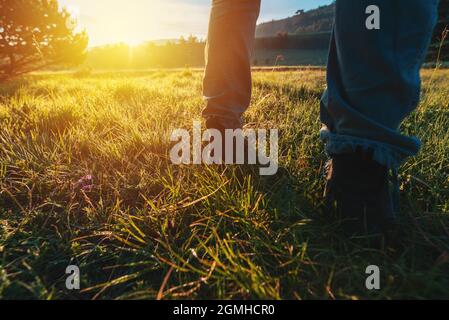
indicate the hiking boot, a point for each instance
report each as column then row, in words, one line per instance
column 360, row 191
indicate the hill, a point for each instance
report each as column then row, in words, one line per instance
column 316, row 20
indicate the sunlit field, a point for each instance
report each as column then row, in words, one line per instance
column 85, row 180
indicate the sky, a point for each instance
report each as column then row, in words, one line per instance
column 136, row 21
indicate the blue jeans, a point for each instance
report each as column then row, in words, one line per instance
column 373, row 75
column 227, row 79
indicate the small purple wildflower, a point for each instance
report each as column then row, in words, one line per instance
column 85, row 184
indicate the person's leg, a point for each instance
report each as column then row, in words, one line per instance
column 227, row 79
column 373, row 84
column 373, row 76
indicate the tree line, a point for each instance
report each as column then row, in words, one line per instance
column 173, row 54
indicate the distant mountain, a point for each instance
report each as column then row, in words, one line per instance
column 316, row 20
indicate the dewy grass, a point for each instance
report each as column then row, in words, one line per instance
column 86, row 180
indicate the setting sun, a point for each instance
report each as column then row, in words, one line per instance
column 113, row 21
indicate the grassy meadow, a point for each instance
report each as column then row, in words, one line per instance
column 85, row 180
column 291, row 57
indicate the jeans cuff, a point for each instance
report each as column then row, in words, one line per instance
column 387, row 155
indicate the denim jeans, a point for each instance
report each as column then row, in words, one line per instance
column 227, row 79
column 373, row 75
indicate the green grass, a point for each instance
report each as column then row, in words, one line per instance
column 148, row 229
column 291, row 57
